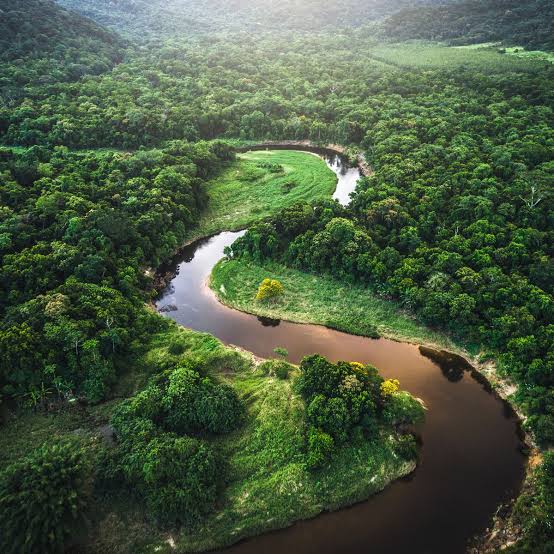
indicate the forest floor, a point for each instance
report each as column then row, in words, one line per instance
column 259, row 184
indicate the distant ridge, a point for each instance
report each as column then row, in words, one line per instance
column 528, row 23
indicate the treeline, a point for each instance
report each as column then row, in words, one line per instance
column 528, row 23
column 141, row 19
column 77, row 231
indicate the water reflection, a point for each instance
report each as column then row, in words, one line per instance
column 268, row 321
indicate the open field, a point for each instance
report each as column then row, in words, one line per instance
column 258, row 184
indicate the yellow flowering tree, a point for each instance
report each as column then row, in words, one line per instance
column 390, row 387
column 269, row 289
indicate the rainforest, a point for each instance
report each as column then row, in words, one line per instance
column 276, row 276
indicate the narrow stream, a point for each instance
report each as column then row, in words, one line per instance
column 470, row 458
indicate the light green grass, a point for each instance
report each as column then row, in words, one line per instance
column 518, row 51
column 435, row 56
column 245, row 192
column 319, row 299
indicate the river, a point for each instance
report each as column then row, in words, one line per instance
column 470, row 459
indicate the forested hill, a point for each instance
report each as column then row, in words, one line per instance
column 528, row 23
column 43, row 43
column 143, row 18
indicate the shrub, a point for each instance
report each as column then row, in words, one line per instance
column 269, row 289
column 280, row 351
column 197, row 405
column 331, row 415
column 277, row 368
column 390, row 387
column 179, row 476
column 42, row 496
column 320, row 447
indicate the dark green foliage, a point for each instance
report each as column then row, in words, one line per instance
column 527, row 23
column 276, row 368
column 176, row 475
column 56, row 45
column 331, row 415
column 320, row 447
column 197, row 405
column 534, row 511
column 43, row 496
column 344, row 402
column 72, row 261
column 179, row 478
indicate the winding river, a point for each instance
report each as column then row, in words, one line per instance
column 470, row 459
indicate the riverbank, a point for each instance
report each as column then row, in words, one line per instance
column 354, row 155
column 321, row 300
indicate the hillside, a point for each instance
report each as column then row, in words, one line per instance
column 529, row 23
column 56, row 45
column 140, row 18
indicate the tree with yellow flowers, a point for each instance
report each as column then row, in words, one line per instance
column 269, row 289
column 390, row 387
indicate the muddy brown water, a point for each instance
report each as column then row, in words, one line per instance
column 470, row 458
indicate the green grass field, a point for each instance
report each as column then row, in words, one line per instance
column 246, row 191
column 518, row 51
column 319, row 299
column 430, row 55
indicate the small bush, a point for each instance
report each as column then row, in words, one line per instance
column 179, row 476
column 320, row 448
column 197, row 405
column 271, row 167
column 331, row 415
column 402, row 408
column 280, row 351
column 276, row 368
column 42, row 496
column 269, row 289
column 390, row 387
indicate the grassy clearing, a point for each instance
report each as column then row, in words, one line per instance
column 318, row 299
column 429, row 55
column 268, row 485
column 518, row 51
column 246, row 191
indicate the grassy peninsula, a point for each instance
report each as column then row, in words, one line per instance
column 318, row 299
column 260, row 183
column 268, row 484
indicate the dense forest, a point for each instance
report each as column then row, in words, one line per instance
column 528, row 24
column 107, row 144
column 142, row 19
